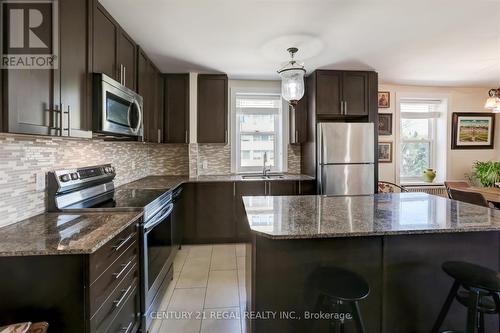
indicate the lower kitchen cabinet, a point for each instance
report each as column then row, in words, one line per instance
column 77, row 293
column 213, row 212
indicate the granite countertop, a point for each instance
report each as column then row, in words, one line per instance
column 303, row 217
column 62, row 233
column 171, row 182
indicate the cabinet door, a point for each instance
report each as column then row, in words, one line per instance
column 212, row 109
column 159, row 108
column 283, row 187
column 144, row 89
column 307, row 187
column 328, row 93
column 73, row 68
column 126, row 54
column 176, row 108
column 245, row 188
column 104, row 43
column 214, row 212
column 188, row 205
column 298, row 122
column 355, row 93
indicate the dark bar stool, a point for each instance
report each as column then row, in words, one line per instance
column 480, row 294
column 339, row 288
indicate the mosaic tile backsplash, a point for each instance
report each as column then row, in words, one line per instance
column 22, row 157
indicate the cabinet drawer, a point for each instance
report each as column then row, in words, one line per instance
column 107, row 282
column 106, row 255
column 116, row 300
column 128, row 319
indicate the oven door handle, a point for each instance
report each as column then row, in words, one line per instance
column 150, row 225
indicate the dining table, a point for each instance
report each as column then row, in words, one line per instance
column 491, row 194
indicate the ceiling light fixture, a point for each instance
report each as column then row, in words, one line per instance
column 493, row 101
column 292, row 79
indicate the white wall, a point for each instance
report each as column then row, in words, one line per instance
column 458, row 162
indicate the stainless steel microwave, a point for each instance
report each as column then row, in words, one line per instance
column 117, row 110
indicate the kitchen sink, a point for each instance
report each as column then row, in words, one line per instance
column 250, row 177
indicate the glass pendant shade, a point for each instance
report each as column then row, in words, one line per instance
column 292, row 85
column 292, row 80
column 492, row 103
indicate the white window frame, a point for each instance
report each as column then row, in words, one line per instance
column 441, row 165
column 281, row 139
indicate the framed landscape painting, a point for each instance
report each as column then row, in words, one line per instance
column 473, row 130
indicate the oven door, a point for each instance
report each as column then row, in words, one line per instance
column 157, row 258
column 121, row 111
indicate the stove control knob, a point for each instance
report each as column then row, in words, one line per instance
column 65, row 178
column 74, row 176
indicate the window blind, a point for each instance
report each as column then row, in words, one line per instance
column 420, row 109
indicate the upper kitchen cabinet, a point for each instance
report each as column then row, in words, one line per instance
column 340, row 94
column 298, row 122
column 176, row 104
column 149, row 86
column 113, row 52
column 53, row 101
column 212, row 108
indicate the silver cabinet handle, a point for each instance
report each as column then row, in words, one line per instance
column 341, row 107
column 119, row 301
column 226, row 136
column 296, row 136
column 122, row 242
column 124, row 268
column 159, row 135
column 124, row 75
column 186, row 137
column 127, row 329
column 345, row 107
column 69, row 120
column 269, row 187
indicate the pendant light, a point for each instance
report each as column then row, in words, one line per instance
column 493, row 101
column 292, row 79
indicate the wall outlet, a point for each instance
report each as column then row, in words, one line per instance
column 205, row 165
column 40, row 181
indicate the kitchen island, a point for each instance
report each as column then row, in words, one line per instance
column 397, row 242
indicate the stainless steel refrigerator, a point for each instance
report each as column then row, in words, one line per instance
column 346, row 158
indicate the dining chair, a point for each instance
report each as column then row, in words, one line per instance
column 388, row 187
column 469, row 197
column 458, row 185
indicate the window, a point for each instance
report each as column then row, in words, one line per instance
column 418, row 135
column 258, row 127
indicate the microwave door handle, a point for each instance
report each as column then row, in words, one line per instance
column 139, row 121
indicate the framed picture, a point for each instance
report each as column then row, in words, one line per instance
column 472, row 130
column 385, row 124
column 385, row 152
column 384, row 99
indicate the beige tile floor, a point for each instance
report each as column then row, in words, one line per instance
column 207, row 293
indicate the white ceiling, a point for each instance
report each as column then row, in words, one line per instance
column 423, row 42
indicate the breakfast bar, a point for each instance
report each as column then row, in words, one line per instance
column 396, row 242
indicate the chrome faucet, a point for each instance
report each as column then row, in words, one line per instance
column 265, row 170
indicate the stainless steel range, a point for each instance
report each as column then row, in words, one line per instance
column 92, row 189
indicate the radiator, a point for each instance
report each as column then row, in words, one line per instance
column 431, row 189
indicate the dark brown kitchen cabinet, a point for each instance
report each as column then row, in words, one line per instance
column 80, row 293
column 176, row 97
column 126, row 58
column 340, row 93
column 53, row 101
column 245, row 188
column 298, row 122
column 104, row 37
column 214, row 212
column 212, row 108
column 149, row 84
column 113, row 52
column 283, row 187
